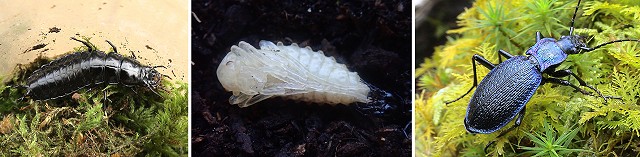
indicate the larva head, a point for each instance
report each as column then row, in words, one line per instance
column 151, row 77
column 239, row 74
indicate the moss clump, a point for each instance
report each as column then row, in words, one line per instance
column 105, row 121
column 602, row 129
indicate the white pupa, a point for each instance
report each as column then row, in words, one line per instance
column 290, row 71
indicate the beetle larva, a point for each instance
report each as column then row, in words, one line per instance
column 288, row 71
column 78, row 70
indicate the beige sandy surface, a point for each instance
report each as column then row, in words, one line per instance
column 131, row 25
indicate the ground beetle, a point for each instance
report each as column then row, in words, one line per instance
column 504, row 91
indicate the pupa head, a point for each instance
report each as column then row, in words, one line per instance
column 237, row 72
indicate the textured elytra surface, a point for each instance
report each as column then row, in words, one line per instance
column 289, row 71
column 501, row 94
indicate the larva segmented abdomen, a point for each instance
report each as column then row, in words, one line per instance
column 288, row 71
column 63, row 76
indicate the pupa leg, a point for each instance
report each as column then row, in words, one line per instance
column 244, row 100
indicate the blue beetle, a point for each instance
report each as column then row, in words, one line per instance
column 504, row 91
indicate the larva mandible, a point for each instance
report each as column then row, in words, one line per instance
column 290, row 71
column 78, row 70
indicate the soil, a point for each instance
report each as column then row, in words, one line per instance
column 373, row 38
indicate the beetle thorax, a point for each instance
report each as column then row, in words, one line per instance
column 548, row 52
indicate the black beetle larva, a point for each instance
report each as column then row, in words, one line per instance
column 72, row 72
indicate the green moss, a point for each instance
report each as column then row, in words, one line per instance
column 104, row 121
column 602, row 129
column 551, row 144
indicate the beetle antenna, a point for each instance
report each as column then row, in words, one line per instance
column 587, row 49
column 573, row 19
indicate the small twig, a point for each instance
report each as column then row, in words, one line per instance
column 196, row 16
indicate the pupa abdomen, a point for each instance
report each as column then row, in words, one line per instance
column 287, row 71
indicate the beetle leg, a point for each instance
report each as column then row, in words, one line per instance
column 515, row 124
column 566, row 83
column 474, row 59
column 567, row 72
column 505, row 54
column 538, row 36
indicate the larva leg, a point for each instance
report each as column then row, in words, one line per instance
column 104, row 101
column 89, row 48
column 154, row 91
column 113, row 47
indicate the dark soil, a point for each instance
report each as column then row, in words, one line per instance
column 54, row 30
column 431, row 32
column 36, row 47
column 371, row 38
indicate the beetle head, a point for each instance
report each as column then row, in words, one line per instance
column 571, row 44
